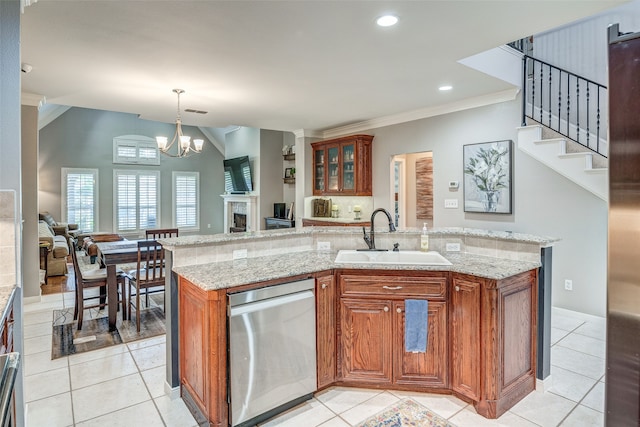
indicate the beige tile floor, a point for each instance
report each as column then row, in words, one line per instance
column 124, row 385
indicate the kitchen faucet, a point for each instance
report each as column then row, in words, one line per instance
column 370, row 240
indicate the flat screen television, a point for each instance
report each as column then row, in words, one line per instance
column 237, row 175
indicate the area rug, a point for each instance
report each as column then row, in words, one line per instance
column 95, row 332
column 403, row 414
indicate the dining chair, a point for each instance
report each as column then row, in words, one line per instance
column 95, row 278
column 161, row 233
column 149, row 275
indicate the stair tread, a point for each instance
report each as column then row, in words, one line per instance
column 549, row 140
column 596, row 170
column 576, row 154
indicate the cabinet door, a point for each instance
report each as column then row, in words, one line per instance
column 319, row 168
column 333, row 169
column 326, row 327
column 348, row 155
column 425, row 369
column 465, row 337
column 365, row 340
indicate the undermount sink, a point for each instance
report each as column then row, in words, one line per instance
column 390, row 257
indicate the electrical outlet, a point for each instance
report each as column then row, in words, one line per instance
column 568, row 285
column 239, row 254
column 324, row 246
column 453, row 247
column 451, row 203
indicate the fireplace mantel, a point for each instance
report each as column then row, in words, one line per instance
column 251, row 210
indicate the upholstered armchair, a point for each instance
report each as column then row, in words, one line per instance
column 60, row 228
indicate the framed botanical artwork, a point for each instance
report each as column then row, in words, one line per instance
column 487, row 177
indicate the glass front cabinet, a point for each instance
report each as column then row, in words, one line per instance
column 342, row 166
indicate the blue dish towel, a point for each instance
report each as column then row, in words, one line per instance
column 415, row 325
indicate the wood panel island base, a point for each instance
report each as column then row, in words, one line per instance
column 481, row 343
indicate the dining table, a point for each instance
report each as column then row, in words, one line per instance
column 117, row 252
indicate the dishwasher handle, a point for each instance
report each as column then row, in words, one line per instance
column 252, row 307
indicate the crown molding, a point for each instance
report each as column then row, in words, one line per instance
column 422, row 113
column 32, row 99
column 308, row 133
column 50, row 113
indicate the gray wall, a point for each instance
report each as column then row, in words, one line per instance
column 83, row 138
column 545, row 203
column 271, row 173
column 31, row 254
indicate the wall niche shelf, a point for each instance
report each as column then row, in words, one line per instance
column 289, row 180
column 291, row 156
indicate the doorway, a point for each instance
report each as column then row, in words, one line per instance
column 411, row 188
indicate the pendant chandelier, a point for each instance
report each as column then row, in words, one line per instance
column 182, row 142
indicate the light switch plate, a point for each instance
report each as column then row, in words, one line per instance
column 239, row 254
column 451, row 203
column 453, row 247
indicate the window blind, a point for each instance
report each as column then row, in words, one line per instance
column 81, row 197
column 185, row 190
column 137, row 200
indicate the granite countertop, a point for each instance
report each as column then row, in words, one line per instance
column 228, row 274
column 203, row 240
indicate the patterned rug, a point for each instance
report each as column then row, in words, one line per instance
column 95, row 329
column 405, row 413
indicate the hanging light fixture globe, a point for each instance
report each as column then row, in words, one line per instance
column 182, row 142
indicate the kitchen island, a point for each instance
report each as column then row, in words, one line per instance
column 482, row 315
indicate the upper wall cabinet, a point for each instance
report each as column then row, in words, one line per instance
column 342, row 166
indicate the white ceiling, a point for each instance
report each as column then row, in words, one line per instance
column 283, row 65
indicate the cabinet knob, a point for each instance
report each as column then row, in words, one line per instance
column 386, row 308
column 457, row 288
column 399, row 310
column 324, row 286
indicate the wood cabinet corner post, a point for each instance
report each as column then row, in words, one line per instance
column 203, row 352
column 326, row 327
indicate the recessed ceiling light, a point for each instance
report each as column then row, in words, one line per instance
column 445, row 88
column 387, row 20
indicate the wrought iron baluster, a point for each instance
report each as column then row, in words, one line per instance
column 533, row 91
column 568, row 104
column 588, row 114
column 577, row 109
column 541, row 89
column 598, row 124
column 559, row 98
column 549, row 106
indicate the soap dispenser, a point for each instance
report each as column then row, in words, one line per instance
column 424, row 239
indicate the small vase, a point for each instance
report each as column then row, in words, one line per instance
column 491, row 201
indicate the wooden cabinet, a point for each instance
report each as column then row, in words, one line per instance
column 326, row 327
column 371, row 330
column 465, row 336
column 342, row 166
column 365, row 340
column 493, row 335
column 203, row 351
column 323, row 223
column 422, row 369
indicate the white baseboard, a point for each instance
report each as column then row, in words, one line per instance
column 172, row 392
column 544, row 385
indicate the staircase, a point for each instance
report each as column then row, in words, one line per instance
column 585, row 168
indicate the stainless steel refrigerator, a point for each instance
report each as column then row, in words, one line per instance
column 623, row 287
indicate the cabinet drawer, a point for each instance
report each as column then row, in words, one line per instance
column 389, row 286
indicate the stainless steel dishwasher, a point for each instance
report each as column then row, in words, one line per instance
column 272, row 350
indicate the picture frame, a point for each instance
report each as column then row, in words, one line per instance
column 288, row 173
column 487, row 169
